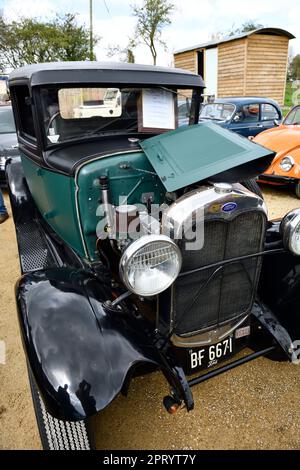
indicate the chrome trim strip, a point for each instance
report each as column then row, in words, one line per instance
column 212, row 202
column 210, row 337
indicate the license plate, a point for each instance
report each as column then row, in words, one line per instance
column 211, row 355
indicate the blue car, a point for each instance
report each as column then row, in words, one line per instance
column 247, row 116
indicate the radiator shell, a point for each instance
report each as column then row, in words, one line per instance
column 218, row 296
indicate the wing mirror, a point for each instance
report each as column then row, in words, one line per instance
column 236, row 118
column 276, row 122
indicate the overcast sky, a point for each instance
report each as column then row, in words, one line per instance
column 193, row 22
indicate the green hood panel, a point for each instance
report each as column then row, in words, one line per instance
column 194, row 153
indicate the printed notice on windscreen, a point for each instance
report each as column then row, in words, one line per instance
column 158, row 109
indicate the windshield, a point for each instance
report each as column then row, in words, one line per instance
column 217, row 111
column 77, row 113
column 7, row 125
column 293, row 117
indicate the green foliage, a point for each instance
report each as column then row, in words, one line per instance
column 29, row 41
column 152, row 17
column 294, row 68
column 126, row 54
column 130, row 56
column 244, row 28
column 288, row 95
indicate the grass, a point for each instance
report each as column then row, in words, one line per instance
column 285, row 111
column 288, row 95
column 288, row 103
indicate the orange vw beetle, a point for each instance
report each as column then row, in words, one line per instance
column 285, row 141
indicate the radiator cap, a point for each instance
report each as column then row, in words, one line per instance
column 223, row 188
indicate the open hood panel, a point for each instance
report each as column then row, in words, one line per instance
column 195, row 153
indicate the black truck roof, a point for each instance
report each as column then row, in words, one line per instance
column 103, row 72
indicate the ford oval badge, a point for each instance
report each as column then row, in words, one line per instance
column 229, row 207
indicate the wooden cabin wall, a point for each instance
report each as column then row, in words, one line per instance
column 186, row 61
column 266, row 69
column 231, row 68
column 251, row 66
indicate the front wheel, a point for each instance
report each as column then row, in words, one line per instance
column 252, row 186
column 57, row 434
column 297, row 189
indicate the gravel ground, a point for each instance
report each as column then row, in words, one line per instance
column 256, row 406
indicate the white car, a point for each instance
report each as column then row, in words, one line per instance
column 109, row 106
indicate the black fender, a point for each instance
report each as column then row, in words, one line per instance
column 80, row 353
column 27, row 219
column 22, row 203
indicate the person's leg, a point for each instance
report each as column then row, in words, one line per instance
column 3, row 211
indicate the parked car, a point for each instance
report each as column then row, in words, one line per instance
column 285, row 141
column 248, row 116
column 108, row 106
column 143, row 246
column 183, row 112
column 8, row 139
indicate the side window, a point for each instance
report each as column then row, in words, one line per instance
column 25, row 111
column 249, row 113
column 268, row 112
column 293, row 117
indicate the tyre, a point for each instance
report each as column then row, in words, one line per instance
column 56, row 434
column 297, row 189
column 252, row 186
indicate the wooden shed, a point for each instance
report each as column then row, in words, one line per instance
column 250, row 64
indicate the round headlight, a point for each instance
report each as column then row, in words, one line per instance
column 150, row 265
column 287, row 163
column 290, row 230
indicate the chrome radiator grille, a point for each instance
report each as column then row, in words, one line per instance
column 214, row 296
column 217, row 286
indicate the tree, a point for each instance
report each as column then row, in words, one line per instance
column 294, row 68
column 29, row 41
column 126, row 54
column 152, row 17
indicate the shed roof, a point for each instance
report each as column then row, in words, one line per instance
column 214, row 43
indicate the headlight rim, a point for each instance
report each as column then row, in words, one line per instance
column 287, row 228
column 137, row 245
column 292, row 163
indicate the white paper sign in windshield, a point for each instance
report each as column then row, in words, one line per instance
column 158, row 109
